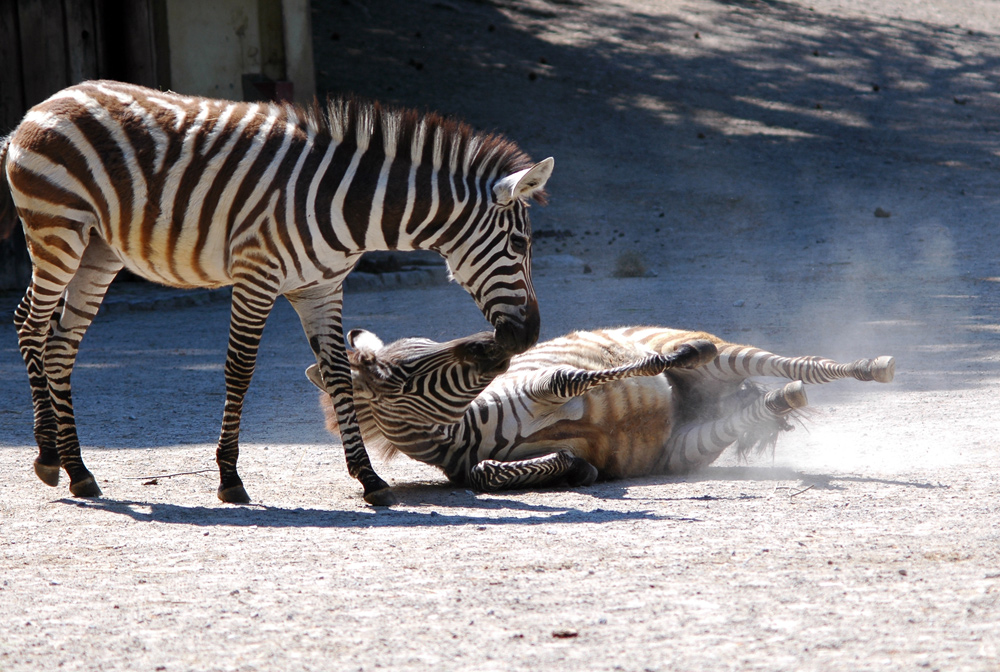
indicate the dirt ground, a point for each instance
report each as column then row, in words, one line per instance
column 741, row 148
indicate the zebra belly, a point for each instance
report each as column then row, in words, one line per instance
column 621, row 428
column 179, row 266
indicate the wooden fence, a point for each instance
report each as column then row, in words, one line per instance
column 47, row 45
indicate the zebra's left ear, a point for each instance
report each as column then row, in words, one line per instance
column 362, row 339
column 312, row 373
column 524, row 183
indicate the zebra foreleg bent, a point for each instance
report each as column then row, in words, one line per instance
column 564, row 382
column 698, row 444
column 493, row 475
column 319, row 311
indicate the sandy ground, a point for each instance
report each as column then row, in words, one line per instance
column 742, row 149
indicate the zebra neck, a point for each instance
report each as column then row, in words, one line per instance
column 431, row 445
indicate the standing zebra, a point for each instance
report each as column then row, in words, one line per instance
column 271, row 199
column 612, row 403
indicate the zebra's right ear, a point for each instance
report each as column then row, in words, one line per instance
column 312, row 373
column 524, row 183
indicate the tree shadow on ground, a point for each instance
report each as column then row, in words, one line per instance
column 783, row 74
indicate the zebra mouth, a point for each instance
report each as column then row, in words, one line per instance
column 515, row 335
column 486, row 353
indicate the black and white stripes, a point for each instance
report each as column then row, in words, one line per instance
column 612, row 403
column 271, row 199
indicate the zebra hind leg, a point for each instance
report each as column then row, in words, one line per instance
column 60, row 304
column 736, row 362
column 494, row 475
column 81, row 302
column 757, row 422
column 47, row 465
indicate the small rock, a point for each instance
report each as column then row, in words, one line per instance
column 565, row 634
column 879, row 212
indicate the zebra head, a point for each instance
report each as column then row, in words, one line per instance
column 494, row 262
column 415, row 383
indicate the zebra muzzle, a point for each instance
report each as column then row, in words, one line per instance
column 516, row 335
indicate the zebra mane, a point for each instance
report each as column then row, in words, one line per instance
column 406, row 132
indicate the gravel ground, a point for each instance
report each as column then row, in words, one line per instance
column 741, row 148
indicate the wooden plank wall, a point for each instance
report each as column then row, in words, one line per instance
column 47, row 45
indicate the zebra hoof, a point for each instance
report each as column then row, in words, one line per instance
column 582, row 473
column 234, row 494
column 794, row 394
column 49, row 474
column 86, row 488
column 382, row 497
column 884, row 369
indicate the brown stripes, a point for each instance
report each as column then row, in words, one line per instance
column 191, row 178
column 223, row 174
column 40, row 187
column 328, row 184
column 397, row 184
column 361, row 192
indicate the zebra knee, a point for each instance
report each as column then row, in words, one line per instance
column 488, row 476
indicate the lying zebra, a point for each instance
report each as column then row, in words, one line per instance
column 611, row 403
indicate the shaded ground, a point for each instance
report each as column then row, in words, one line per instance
column 868, row 542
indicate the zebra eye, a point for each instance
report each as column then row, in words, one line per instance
column 518, row 243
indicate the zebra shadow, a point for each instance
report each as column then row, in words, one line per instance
column 805, row 481
column 479, row 514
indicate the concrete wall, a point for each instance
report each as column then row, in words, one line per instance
column 213, row 44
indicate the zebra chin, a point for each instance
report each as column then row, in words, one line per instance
column 517, row 335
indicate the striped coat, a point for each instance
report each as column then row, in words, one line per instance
column 610, row 403
column 271, row 199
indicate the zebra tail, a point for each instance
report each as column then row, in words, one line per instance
column 8, row 214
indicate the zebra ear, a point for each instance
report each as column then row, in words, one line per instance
column 360, row 339
column 312, row 373
column 524, row 183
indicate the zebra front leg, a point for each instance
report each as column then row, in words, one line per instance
column 698, row 444
column 536, row 472
column 740, row 361
column 251, row 304
column 565, row 382
column 319, row 310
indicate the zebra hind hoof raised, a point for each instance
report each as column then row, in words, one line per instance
column 884, row 369
column 383, row 497
column 49, row 474
column 234, row 494
column 86, row 488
